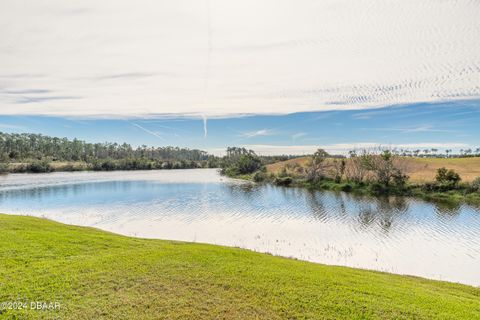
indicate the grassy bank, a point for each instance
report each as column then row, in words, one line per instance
column 99, row 275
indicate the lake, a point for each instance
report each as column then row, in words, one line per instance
column 398, row 235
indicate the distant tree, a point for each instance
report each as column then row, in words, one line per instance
column 240, row 161
column 248, row 163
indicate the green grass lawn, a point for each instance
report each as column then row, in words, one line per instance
column 99, row 275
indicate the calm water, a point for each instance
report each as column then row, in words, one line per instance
column 397, row 235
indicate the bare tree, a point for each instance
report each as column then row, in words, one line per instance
column 339, row 166
column 316, row 169
column 385, row 168
column 355, row 171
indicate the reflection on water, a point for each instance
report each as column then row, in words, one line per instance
column 393, row 234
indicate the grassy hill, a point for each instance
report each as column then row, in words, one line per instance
column 419, row 169
column 99, row 275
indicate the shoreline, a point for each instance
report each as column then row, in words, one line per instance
column 412, row 190
column 81, row 166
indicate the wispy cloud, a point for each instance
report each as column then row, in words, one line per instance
column 416, row 129
column 26, row 91
column 38, row 99
column 128, row 76
column 257, row 133
column 298, row 135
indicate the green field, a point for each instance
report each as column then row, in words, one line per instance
column 99, row 275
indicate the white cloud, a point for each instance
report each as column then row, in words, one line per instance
column 141, row 58
column 257, row 133
column 340, row 148
column 422, row 128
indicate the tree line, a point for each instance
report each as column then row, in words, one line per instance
column 35, row 152
column 435, row 153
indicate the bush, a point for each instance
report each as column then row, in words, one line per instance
column 379, row 188
column 259, row 176
column 447, row 177
column 283, row 181
column 248, row 164
column 104, row 165
column 283, row 173
column 4, row 167
column 230, row 172
column 400, row 179
column 347, row 188
column 476, row 184
column 39, row 167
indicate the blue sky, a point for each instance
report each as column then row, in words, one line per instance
column 440, row 125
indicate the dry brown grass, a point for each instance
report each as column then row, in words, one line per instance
column 418, row 169
column 424, row 169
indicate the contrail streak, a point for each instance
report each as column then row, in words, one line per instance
column 148, row 131
column 207, row 65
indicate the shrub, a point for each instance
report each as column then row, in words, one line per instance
column 283, row 173
column 104, row 165
column 476, row 184
column 259, row 176
column 71, row 167
column 4, row 167
column 283, row 181
column 400, row 179
column 248, row 163
column 230, row 172
column 379, row 188
column 447, row 177
column 39, row 166
column 430, row 186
